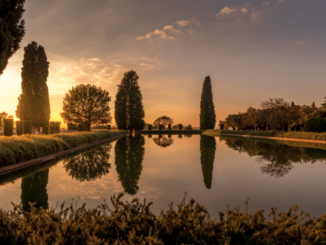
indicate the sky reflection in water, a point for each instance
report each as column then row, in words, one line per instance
column 161, row 168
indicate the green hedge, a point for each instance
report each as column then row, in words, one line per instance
column 150, row 127
column 23, row 148
column 46, row 130
column 133, row 222
column 27, row 126
column 294, row 135
column 109, row 127
column 169, row 126
column 19, row 128
column 180, row 126
column 8, row 127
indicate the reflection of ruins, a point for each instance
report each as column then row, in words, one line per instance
column 277, row 157
column 207, row 157
column 129, row 156
column 34, row 190
column 163, row 141
column 90, row 165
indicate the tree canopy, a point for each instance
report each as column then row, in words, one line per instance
column 86, row 105
column 34, row 103
column 207, row 109
column 12, row 29
column 163, row 121
column 129, row 109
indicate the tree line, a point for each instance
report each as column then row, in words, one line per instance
column 275, row 114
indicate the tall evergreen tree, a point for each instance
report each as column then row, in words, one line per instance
column 34, row 103
column 129, row 157
column 207, row 157
column 129, row 109
column 12, row 29
column 207, row 109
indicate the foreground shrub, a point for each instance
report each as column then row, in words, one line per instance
column 315, row 124
column 23, row 148
column 134, row 223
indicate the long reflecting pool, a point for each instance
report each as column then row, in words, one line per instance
column 214, row 171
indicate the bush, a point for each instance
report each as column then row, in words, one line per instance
column 315, row 124
column 19, row 128
column 8, row 127
column 189, row 127
column 160, row 127
column 109, row 127
column 45, row 130
column 82, row 128
column 180, row 126
column 150, row 126
column 169, row 127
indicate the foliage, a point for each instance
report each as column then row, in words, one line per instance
column 129, row 156
column 34, row 190
column 123, row 222
column 34, row 103
column 163, row 141
column 86, row 105
column 275, row 114
column 180, row 126
column 163, row 121
column 129, row 109
column 12, row 29
column 188, row 127
column 207, row 157
column 89, row 165
column 8, row 127
column 207, row 109
column 23, row 148
column 150, row 126
column 23, row 127
column 315, row 124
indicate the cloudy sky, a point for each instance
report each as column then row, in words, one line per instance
column 252, row 50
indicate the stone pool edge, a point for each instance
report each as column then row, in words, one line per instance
column 29, row 163
column 270, row 138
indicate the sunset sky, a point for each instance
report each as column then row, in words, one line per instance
column 252, row 50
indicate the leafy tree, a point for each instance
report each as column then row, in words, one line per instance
column 207, row 109
column 315, row 124
column 129, row 156
column 34, row 103
column 163, row 141
column 90, row 165
column 129, row 109
column 12, row 29
column 86, row 105
column 34, row 190
column 163, row 121
column 207, row 157
column 274, row 112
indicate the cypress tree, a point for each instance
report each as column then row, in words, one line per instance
column 207, row 157
column 129, row 157
column 207, row 109
column 129, row 109
column 12, row 29
column 33, row 103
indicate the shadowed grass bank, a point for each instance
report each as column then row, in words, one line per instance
column 133, row 222
column 280, row 134
column 17, row 149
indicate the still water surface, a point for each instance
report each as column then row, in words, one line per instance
column 213, row 171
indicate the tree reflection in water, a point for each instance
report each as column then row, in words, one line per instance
column 279, row 156
column 90, row 165
column 34, row 190
column 163, row 141
column 207, row 157
column 129, row 156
